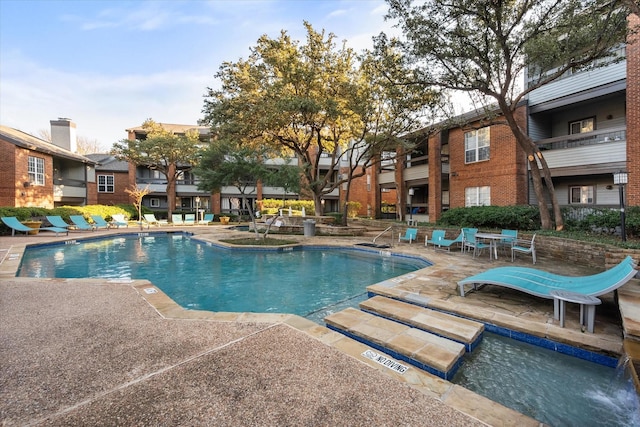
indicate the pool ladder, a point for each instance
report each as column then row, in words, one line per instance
column 390, row 228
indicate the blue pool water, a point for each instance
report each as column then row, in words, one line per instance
column 553, row 388
column 204, row 277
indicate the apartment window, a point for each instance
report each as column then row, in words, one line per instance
column 154, row 202
column 476, row 145
column 36, row 170
column 477, row 196
column 581, row 195
column 106, row 184
column 582, row 126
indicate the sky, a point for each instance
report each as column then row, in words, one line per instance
column 110, row 65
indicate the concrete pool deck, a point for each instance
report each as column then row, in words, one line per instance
column 92, row 351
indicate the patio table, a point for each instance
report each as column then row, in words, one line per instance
column 493, row 239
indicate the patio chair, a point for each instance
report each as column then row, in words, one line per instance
column 151, row 219
column 81, row 223
column 208, row 218
column 438, row 240
column 524, row 247
column 57, row 221
column 176, row 219
column 470, row 241
column 410, row 235
column 541, row 283
column 15, row 225
column 100, row 222
column 507, row 242
column 189, row 219
column 119, row 220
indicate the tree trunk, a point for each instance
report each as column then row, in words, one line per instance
column 317, row 202
column 534, row 156
column 171, row 189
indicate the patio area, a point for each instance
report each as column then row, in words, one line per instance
column 91, row 351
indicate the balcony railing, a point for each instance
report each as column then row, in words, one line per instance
column 584, row 139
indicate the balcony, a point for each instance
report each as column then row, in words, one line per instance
column 586, row 153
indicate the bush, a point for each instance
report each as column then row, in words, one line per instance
column 353, row 208
column 493, row 217
column 273, row 205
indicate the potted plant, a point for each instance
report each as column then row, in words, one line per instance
column 32, row 223
column 224, row 220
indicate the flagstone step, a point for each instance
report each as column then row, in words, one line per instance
column 437, row 355
column 465, row 331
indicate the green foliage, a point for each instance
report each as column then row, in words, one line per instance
column 493, row 217
column 296, row 205
column 601, row 220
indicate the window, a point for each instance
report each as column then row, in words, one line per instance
column 106, row 184
column 154, row 202
column 476, row 145
column 582, row 126
column 582, row 195
column 477, row 196
column 36, row 170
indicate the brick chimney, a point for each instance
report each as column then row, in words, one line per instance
column 63, row 134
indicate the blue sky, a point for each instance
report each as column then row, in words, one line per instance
column 109, row 65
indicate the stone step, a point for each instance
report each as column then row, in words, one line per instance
column 437, row 355
column 465, row 331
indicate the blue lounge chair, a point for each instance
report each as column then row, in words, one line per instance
column 208, row 218
column 410, row 235
column 438, row 240
column 119, row 221
column 100, row 222
column 189, row 219
column 15, row 225
column 57, row 221
column 176, row 219
column 541, row 283
column 81, row 223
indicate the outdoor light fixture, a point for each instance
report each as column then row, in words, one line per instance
column 198, row 208
column 621, row 178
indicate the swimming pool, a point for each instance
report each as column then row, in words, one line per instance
column 202, row 276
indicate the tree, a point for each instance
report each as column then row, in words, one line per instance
column 161, row 150
column 137, row 194
column 484, row 48
column 304, row 99
column 228, row 163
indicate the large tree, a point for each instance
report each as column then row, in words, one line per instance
column 313, row 100
column 483, row 48
column 162, row 150
column 227, row 163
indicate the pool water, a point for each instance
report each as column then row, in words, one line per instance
column 553, row 388
column 205, row 277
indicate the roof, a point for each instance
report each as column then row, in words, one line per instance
column 107, row 162
column 30, row 142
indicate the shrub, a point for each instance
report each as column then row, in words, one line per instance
column 273, row 205
column 494, row 217
column 353, row 208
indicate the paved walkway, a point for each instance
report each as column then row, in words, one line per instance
column 102, row 352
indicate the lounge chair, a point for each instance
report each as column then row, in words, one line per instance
column 151, row 219
column 208, row 218
column 15, row 225
column 410, row 235
column 189, row 219
column 524, row 247
column 540, row 283
column 81, row 223
column 57, row 221
column 119, row 220
column 176, row 219
column 100, row 222
column 438, row 240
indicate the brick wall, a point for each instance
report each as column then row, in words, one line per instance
column 8, row 187
column 505, row 172
column 633, row 117
column 119, row 196
column 33, row 195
